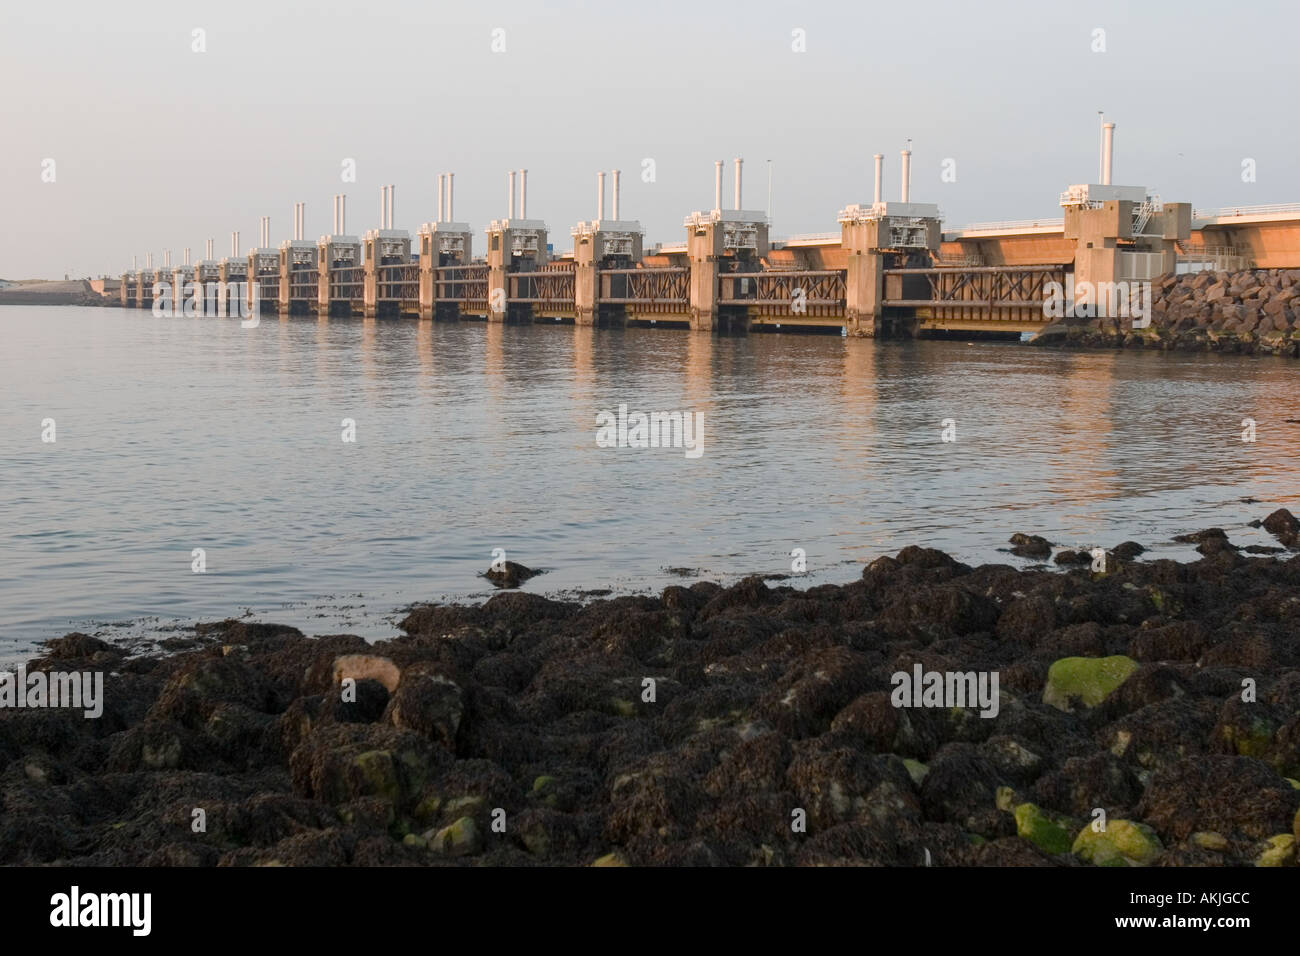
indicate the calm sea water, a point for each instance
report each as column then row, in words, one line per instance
column 177, row 434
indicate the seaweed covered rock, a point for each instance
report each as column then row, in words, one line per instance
column 1119, row 843
column 1228, row 795
column 745, row 725
column 1085, row 681
column 1042, row 831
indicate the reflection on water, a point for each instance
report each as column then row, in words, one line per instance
column 176, row 434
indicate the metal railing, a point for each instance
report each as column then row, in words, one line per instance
column 1230, row 212
column 1011, row 225
column 1193, row 258
column 954, row 259
column 808, row 238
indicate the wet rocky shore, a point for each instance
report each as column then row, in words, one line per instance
column 1252, row 312
column 1148, row 713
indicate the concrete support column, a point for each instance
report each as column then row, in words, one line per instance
column 864, row 285
column 1096, row 233
column 704, row 249
column 498, row 259
column 370, row 273
column 502, row 261
column 324, row 266
column 282, row 297
column 428, row 271
column 1173, row 224
column 223, row 277
column 586, row 279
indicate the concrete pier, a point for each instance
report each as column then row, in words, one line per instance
column 514, row 246
column 1119, row 235
column 387, row 264
column 604, row 249
column 877, row 239
column 263, row 273
column 444, row 247
column 611, row 246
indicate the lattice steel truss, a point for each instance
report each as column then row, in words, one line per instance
column 551, row 286
column 304, row 280
column 1001, row 292
column 398, row 282
column 347, row 284
column 783, row 289
column 645, row 287
column 466, row 285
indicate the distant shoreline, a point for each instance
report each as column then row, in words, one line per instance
column 57, row 292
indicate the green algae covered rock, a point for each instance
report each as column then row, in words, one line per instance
column 1279, row 851
column 459, row 839
column 1122, row 843
column 376, row 771
column 916, row 770
column 1209, row 840
column 1088, row 680
column 1252, row 740
column 1040, row 830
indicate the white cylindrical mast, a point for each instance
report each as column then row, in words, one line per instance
column 1108, row 150
column 880, row 179
column 769, row 190
column 616, row 172
column 1101, row 146
column 451, row 197
column 510, row 185
column 600, row 196
column 739, row 170
column 907, row 176
column 717, row 185
column 523, row 194
column 441, row 187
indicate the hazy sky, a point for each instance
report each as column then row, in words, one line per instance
column 156, row 146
